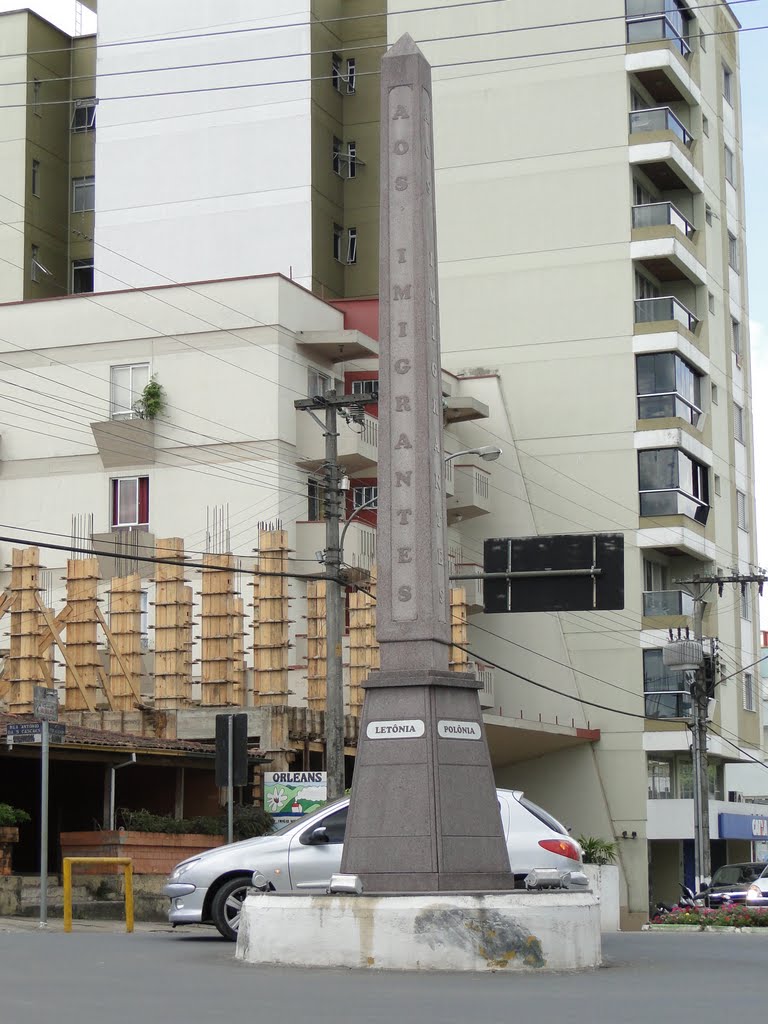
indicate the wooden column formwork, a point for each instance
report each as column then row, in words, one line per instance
column 363, row 648
column 217, row 631
column 317, row 645
column 24, row 672
column 458, row 659
column 173, row 628
column 270, row 649
column 125, row 641
column 240, row 677
column 83, row 665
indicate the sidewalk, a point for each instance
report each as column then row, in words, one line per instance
column 28, row 924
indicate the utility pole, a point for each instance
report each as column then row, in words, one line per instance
column 351, row 408
column 698, row 586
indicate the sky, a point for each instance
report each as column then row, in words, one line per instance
column 754, row 85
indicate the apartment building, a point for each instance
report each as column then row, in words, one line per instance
column 594, row 303
column 47, row 131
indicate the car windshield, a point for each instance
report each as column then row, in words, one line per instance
column 736, row 874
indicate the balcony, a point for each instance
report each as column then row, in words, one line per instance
column 668, row 704
column 473, row 589
column 665, row 313
column 661, row 144
column 358, row 445
column 472, row 493
column 337, row 346
column 657, row 28
column 448, row 479
column 359, row 543
column 657, row 603
column 659, row 120
column 661, row 215
column 127, row 441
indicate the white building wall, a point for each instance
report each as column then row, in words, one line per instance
column 202, row 173
column 13, row 145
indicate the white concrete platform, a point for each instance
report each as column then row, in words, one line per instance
column 516, row 931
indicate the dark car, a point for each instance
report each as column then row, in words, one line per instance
column 730, row 884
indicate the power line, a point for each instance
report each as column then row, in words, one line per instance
column 336, row 49
column 360, row 74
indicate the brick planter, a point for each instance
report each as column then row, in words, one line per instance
column 152, row 853
column 9, row 835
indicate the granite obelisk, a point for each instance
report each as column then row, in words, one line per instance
column 424, row 814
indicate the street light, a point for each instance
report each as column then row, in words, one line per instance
column 489, row 452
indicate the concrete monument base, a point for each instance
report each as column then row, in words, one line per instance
column 516, row 931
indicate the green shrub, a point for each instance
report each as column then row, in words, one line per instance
column 736, row 916
column 10, row 816
column 249, row 821
column 597, row 851
column 152, row 401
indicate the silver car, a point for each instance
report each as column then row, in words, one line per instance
column 211, row 887
column 757, row 893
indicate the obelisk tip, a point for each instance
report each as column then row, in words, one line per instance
column 403, row 47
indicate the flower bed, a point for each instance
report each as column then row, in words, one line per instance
column 722, row 917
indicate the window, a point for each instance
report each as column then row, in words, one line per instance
column 672, row 483
column 84, row 115
column 742, row 519
column 715, row 395
column 351, row 76
column 728, row 85
column 641, row 195
column 35, row 268
column 35, row 177
column 749, row 692
column 705, row 124
column 335, row 826
column 717, row 484
column 126, row 385
column 351, row 159
column 82, row 276
column 733, row 253
column 317, row 383
column 366, row 387
column 746, row 603
column 36, row 98
column 644, row 288
column 736, row 337
column 667, row 387
column 336, row 76
column 338, row 235
column 315, row 501
column 83, row 194
column 703, row 39
column 738, row 422
column 130, row 501
column 708, row 214
column 352, row 245
column 667, row 693
column 660, row 778
column 730, row 165
column 711, row 302
column 336, row 157
column 654, row 576
column 362, row 495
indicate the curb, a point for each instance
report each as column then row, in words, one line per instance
column 722, row 929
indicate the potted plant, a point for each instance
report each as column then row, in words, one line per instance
column 10, row 819
column 599, row 856
column 152, row 401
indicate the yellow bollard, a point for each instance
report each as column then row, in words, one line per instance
column 125, row 862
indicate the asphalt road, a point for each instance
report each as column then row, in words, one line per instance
column 101, row 976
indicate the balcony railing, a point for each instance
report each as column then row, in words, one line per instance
column 667, row 602
column 485, row 675
column 658, row 119
column 663, row 308
column 657, row 27
column 668, row 704
column 659, row 215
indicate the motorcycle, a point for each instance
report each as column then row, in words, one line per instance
column 687, row 901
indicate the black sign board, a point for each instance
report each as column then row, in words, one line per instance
column 570, row 572
column 45, row 704
column 239, row 749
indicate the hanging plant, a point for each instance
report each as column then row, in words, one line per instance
column 152, row 401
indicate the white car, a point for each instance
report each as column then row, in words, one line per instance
column 210, row 888
column 757, row 893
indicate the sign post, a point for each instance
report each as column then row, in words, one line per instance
column 46, row 708
column 231, row 760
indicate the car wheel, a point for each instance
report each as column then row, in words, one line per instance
column 228, row 904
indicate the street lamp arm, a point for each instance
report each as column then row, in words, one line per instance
column 355, row 513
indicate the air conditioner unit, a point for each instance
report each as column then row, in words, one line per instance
column 734, row 797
